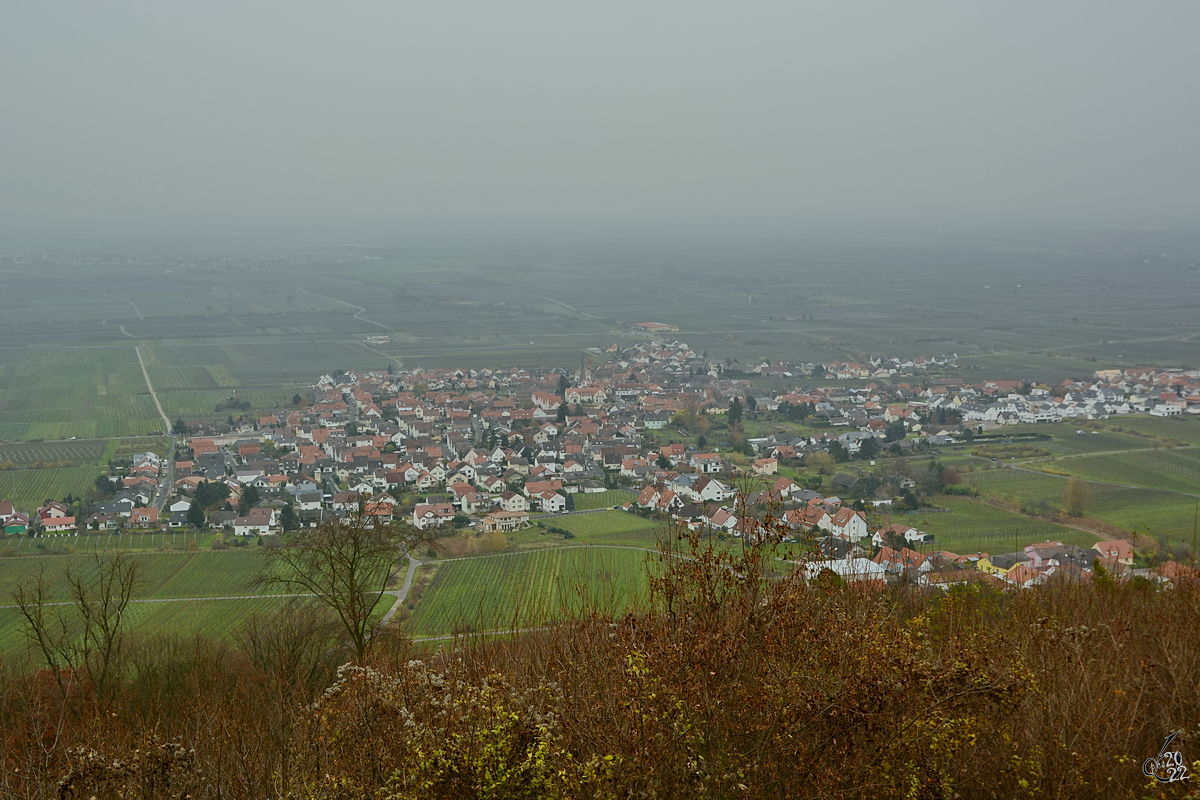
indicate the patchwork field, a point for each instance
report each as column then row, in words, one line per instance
column 524, row 589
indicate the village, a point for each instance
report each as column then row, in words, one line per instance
column 496, row 450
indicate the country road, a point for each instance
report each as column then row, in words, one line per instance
column 153, row 394
column 357, row 315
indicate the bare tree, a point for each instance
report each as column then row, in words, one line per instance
column 346, row 565
column 1076, row 497
column 84, row 636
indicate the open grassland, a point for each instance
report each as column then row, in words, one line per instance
column 1174, row 470
column 518, row 590
column 973, row 527
column 609, row 527
column 613, row 497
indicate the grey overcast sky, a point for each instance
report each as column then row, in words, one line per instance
column 164, row 113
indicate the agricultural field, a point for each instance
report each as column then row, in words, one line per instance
column 1066, row 442
column 522, row 589
column 613, row 497
column 36, row 454
column 1183, row 429
column 30, row 488
column 107, row 541
column 973, row 527
column 1173, row 470
column 609, row 527
column 88, row 392
column 165, row 580
column 219, row 618
column 1167, row 517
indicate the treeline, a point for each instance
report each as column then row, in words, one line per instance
column 736, row 681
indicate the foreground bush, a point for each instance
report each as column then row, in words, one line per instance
column 738, row 683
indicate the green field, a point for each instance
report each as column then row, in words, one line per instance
column 522, row 589
column 609, row 527
column 29, row 488
column 1066, row 442
column 1165, row 516
column 973, row 527
column 1184, row 429
column 30, row 453
column 107, row 541
column 613, row 497
column 1173, row 470
column 168, row 577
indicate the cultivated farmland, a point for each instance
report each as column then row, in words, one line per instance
column 29, row 488
column 523, row 589
column 613, row 497
column 972, row 527
column 169, row 577
column 609, row 527
column 1174, row 470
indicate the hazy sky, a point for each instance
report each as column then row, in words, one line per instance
column 162, row 113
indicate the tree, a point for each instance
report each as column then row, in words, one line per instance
column 209, row 493
column 297, row 399
column 288, row 518
column 106, row 486
column 180, row 427
column 701, row 441
column 895, row 431
column 570, row 502
column 195, row 515
column 1076, row 497
column 868, row 448
column 751, row 403
column 839, row 452
column 563, row 385
column 662, row 461
column 735, row 412
column 249, row 498
column 86, row 636
column 561, row 416
column 346, row 565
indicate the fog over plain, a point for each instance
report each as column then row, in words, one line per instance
column 144, row 117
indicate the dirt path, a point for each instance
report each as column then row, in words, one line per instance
column 110, row 297
column 402, row 593
column 153, row 394
column 357, row 315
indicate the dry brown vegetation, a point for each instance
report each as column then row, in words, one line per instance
column 738, row 682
